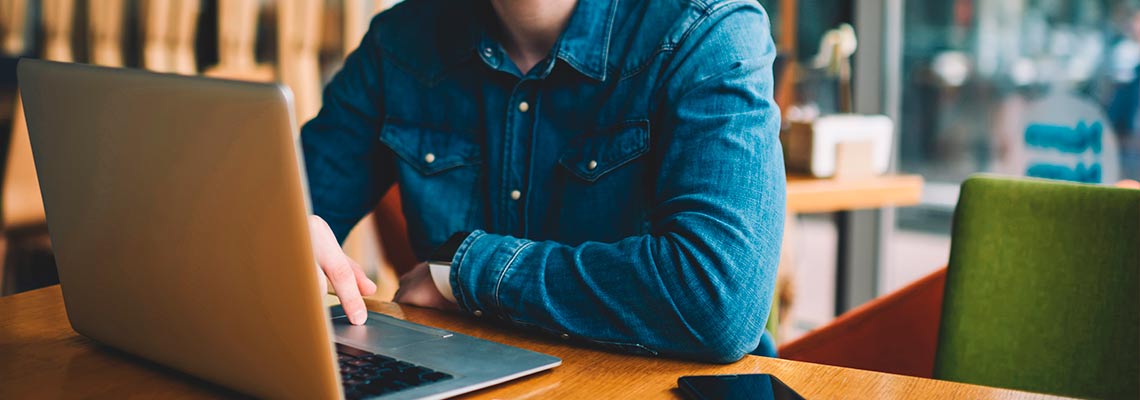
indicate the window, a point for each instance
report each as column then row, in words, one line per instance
column 1044, row 88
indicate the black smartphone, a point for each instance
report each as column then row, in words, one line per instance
column 736, row 387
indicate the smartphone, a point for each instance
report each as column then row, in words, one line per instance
column 736, row 387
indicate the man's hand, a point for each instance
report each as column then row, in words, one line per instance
column 348, row 279
column 417, row 289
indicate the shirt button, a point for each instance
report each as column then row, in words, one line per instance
column 515, row 194
column 478, row 313
column 524, row 106
column 430, row 158
column 591, row 165
column 487, row 52
column 564, row 336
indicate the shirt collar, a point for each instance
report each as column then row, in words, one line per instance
column 585, row 44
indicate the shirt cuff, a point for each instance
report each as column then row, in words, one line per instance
column 441, row 275
column 482, row 273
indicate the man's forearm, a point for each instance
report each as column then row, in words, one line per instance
column 644, row 294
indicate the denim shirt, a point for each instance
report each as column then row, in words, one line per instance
column 628, row 191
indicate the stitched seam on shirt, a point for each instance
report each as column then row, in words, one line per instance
column 530, row 161
column 565, row 161
column 663, row 49
column 703, row 15
column 717, row 8
column 499, row 284
column 705, row 12
column 710, row 8
column 508, row 138
column 609, row 34
column 697, row 23
column 430, row 80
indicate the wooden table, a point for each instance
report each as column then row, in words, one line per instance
column 813, row 195
column 41, row 357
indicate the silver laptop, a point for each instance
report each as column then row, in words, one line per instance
column 177, row 209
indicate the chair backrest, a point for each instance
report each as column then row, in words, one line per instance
column 1042, row 289
column 392, row 228
column 13, row 21
column 298, row 50
column 105, row 25
column 237, row 43
column 170, row 27
column 20, row 191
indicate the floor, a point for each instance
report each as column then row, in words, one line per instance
column 910, row 255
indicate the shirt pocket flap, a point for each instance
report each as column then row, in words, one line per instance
column 593, row 155
column 430, row 151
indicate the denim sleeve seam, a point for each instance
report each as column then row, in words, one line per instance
column 461, row 255
column 510, row 262
column 711, row 13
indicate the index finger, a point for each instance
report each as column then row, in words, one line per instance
column 344, row 283
column 337, row 268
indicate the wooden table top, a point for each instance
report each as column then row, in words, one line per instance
column 814, row 195
column 41, row 357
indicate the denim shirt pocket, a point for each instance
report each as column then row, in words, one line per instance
column 604, row 176
column 594, row 155
column 438, row 172
column 429, row 151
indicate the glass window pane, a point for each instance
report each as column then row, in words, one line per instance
column 1042, row 88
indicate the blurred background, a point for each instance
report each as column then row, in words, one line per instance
column 959, row 79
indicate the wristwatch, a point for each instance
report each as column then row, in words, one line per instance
column 439, row 263
column 446, row 251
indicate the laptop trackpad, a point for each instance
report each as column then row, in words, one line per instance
column 379, row 333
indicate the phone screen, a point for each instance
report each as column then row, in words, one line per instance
column 736, row 387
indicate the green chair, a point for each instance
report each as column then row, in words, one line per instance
column 1043, row 289
column 1041, row 295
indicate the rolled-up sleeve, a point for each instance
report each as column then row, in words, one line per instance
column 346, row 167
column 699, row 284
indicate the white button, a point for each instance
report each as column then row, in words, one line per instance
column 430, row 158
column 565, row 336
column 487, row 52
column 524, row 107
column 515, row 194
column 591, row 165
column 478, row 313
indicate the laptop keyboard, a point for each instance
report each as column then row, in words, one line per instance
column 367, row 374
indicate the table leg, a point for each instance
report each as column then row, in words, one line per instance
column 842, row 220
column 784, row 295
column 856, row 270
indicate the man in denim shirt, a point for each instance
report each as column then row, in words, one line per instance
column 609, row 170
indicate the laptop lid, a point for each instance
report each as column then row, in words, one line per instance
column 177, row 213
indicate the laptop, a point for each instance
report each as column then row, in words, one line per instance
column 178, row 209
